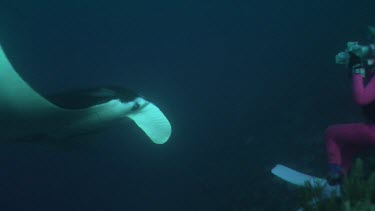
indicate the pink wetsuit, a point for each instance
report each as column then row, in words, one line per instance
column 344, row 141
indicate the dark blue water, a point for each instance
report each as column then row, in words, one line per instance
column 245, row 84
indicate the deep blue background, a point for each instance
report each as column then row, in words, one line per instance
column 245, row 84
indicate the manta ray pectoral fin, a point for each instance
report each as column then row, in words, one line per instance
column 153, row 122
column 16, row 96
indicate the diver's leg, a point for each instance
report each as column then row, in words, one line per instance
column 349, row 152
column 333, row 148
column 345, row 141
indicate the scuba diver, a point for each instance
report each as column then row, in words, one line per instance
column 344, row 141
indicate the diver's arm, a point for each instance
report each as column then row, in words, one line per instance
column 362, row 94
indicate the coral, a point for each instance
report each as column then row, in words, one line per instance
column 357, row 193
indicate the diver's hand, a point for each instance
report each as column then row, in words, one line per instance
column 355, row 65
column 354, row 61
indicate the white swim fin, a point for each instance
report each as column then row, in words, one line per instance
column 300, row 179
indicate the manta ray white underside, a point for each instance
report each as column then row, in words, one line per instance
column 25, row 113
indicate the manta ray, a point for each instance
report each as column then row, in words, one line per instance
column 27, row 115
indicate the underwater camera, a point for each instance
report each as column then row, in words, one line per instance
column 366, row 53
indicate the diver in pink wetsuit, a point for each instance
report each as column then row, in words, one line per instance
column 345, row 141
